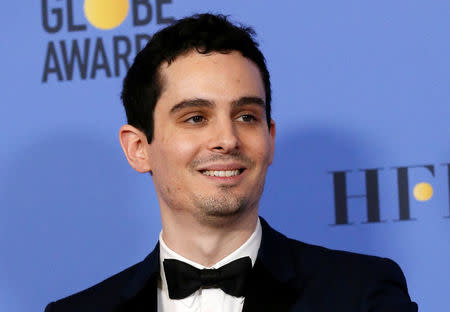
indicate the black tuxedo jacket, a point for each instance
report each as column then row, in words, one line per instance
column 288, row 275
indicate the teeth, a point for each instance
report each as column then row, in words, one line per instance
column 222, row 173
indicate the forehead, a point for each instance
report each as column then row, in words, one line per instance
column 217, row 77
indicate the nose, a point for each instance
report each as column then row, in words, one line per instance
column 224, row 137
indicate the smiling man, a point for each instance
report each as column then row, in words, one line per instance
column 209, row 153
column 198, row 100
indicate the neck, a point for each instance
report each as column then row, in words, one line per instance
column 207, row 242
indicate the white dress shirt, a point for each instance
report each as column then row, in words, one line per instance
column 211, row 299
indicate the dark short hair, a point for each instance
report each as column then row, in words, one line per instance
column 204, row 33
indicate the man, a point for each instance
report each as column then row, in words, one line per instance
column 197, row 100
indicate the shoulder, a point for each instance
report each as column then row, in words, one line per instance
column 103, row 296
column 377, row 284
column 311, row 262
column 114, row 291
column 317, row 258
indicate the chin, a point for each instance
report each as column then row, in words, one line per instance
column 221, row 208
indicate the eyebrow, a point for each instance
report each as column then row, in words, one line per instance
column 245, row 100
column 191, row 103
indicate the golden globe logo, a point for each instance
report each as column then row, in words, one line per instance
column 87, row 58
column 106, row 14
column 423, row 191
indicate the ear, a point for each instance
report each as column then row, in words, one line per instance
column 135, row 146
column 272, row 139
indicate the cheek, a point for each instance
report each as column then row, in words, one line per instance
column 259, row 149
column 186, row 149
column 178, row 151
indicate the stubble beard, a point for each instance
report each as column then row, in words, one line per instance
column 225, row 205
column 220, row 210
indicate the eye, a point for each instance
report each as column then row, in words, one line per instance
column 195, row 119
column 247, row 118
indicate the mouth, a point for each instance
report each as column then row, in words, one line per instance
column 223, row 173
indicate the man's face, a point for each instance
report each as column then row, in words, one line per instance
column 211, row 146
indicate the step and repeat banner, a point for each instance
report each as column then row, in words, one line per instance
column 361, row 99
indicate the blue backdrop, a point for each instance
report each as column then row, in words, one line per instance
column 360, row 96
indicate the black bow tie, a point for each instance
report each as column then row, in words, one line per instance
column 183, row 279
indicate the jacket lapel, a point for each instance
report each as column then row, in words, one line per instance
column 140, row 293
column 271, row 287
